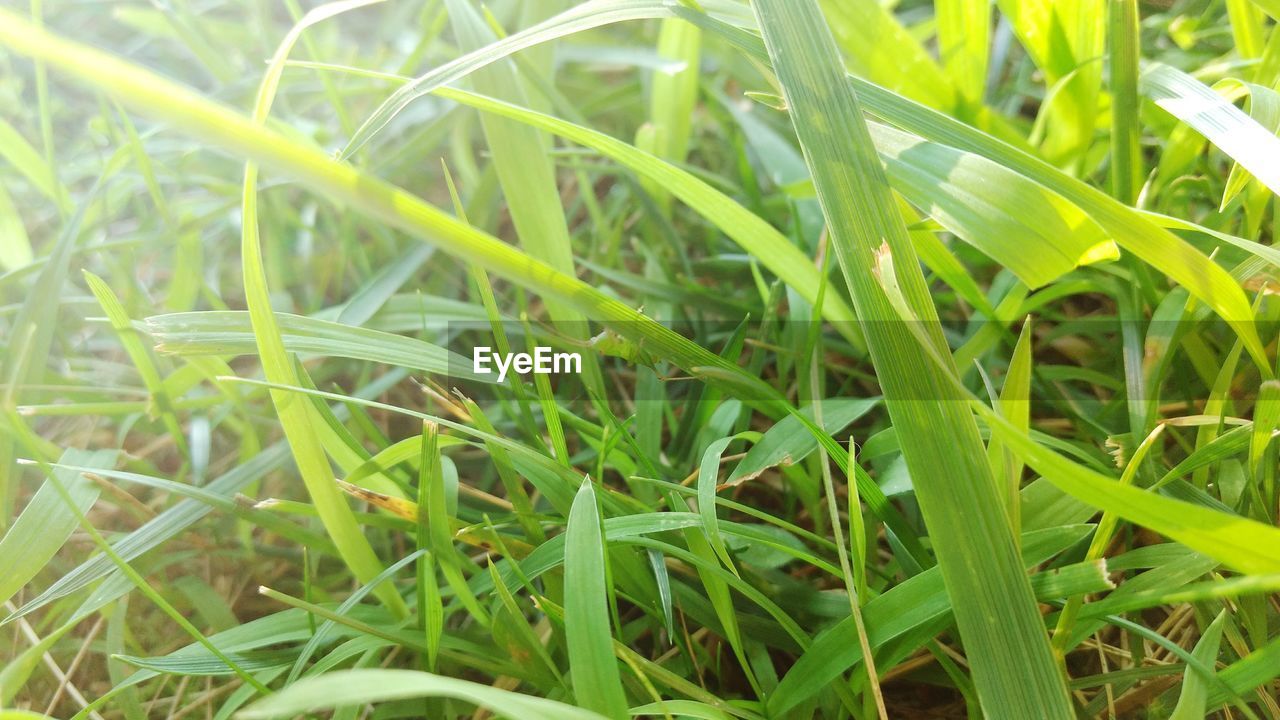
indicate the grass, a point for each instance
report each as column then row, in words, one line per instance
column 929, row 359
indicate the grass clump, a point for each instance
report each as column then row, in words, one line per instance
column 928, row 370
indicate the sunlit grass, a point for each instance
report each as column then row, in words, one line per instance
column 929, row 359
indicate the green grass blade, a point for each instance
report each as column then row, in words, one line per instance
column 1124, row 50
column 358, row 687
column 1013, row 667
column 1064, row 39
column 880, row 49
column 1195, row 689
column 592, row 667
column 586, row 16
column 964, row 31
column 1135, row 233
column 229, row 332
column 233, row 132
column 1254, row 147
column 673, row 96
column 142, row 360
column 520, row 156
column 46, row 522
column 299, row 418
column 788, row 442
column 159, row 529
column 430, row 610
column 31, row 164
column 752, row 233
column 908, row 607
column 1132, row 230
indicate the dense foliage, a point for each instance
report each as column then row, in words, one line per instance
column 928, row 359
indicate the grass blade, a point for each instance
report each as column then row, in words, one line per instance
column 592, row 667
column 964, row 31
column 1124, row 51
column 1013, row 667
column 1195, row 689
column 298, row 418
column 46, row 522
column 357, row 687
column 1254, row 147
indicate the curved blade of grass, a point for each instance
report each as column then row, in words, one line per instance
column 1238, row 542
column 1243, row 544
column 1254, row 147
column 157, row 530
column 142, row 360
column 788, row 441
column 357, row 687
column 1195, row 689
column 46, row 522
column 1021, row 225
column 29, row 161
column 586, row 16
column 1254, row 670
column 708, row 470
column 1264, row 108
column 229, row 332
column 592, row 667
column 1013, row 667
column 1133, row 231
column 1064, row 39
column 990, row 207
column 226, row 129
column 29, row 338
column 744, row 227
column 299, row 418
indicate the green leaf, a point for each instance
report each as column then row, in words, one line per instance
column 1266, row 418
column 1024, row 227
column 229, row 332
column 46, row 522
column 592, row 667
column 154, row 532
column 744, row 227
column 298, row 418
column 1130, row 229
column 521, row 159
column 880, row 49
column 1064, row 39
column 1195, row 689
column 1255, row 148
column 1235, row 541
column 674, row 93
column 357, row 687
column 789, row 441
column 964, row 31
